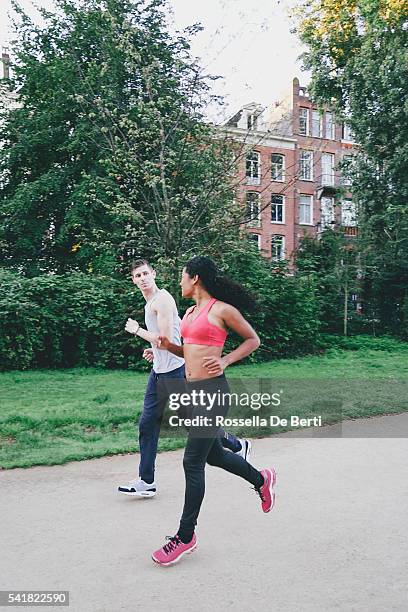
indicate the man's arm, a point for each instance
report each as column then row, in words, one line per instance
column 163, row 308
column 134, row 328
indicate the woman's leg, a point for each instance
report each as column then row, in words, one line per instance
column 195, row 457
column 200, row 451
column 234, row 464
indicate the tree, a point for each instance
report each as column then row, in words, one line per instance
column 357, row 51
column 333, row 262
column 108, row 156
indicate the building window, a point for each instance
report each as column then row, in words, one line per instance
column 316, row 124
column 277, row 209
column 253, row 168
column 346, row 167
column 327, row 213
column 277, row 167
column 348, row 214
column 304, row 121
column 253, row 209
column 252, row 121
column 327, row 169
column 347, row 133
column 255, row 238
column 306, row 210
column 306, row 165
column 329, row 126
column 278, row 247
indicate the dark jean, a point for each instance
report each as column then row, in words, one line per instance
column 150, row 421
column 202, row 450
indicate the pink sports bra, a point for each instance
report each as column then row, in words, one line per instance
column 201, row 331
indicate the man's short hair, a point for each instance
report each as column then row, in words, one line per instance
column 138, row 263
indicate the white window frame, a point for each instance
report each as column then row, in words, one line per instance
column 252, row 121
column 316, row 115
column 348, row 135
column 332, row 134
column 306, row 195
column 305, row 116
column 282, row 171
column 255, row 220
column 329, row 222
column 301, row 166
column 253, row 178
column 344, row 179
column 278, row 204
column 283, row 247
column 328, row 177
column 258, row 239
column 352, row 211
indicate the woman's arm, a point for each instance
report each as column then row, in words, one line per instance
column 234, row 320
column 164, row 343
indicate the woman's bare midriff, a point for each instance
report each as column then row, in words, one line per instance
column 194, row 355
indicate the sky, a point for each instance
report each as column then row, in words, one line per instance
column 246, row 42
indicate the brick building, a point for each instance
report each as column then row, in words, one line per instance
column 289, row 178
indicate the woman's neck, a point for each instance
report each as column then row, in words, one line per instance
column 201, row 296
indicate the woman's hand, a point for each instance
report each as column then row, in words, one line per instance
column 163, row 343
column 215, row 365
column 148, row 355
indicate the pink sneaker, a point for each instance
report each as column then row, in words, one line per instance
column 266, row 492
column 174, row 550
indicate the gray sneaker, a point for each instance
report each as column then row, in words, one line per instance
column 138, row 488
column 246, row 448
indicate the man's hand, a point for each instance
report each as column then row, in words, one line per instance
column 148, row 355
column 163, row 343
column 132, row 326
column 215, row 365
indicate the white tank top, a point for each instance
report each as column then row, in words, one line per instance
column 164, row 361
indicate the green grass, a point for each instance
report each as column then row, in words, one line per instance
column 51, row 417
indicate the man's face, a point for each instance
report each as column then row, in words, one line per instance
column 144, row 277
column 187, row 284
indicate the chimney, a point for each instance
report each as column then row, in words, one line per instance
column 5, row 60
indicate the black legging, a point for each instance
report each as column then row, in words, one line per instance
column 202, row 450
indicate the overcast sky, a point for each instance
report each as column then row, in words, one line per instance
column 247, row 42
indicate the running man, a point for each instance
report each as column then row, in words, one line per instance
column 161, row 318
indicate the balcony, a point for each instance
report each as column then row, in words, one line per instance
column 326, row 186
column 350, row 230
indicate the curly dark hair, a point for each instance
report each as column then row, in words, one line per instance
column 220, row 286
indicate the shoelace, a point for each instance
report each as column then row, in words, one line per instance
column 259, row 492
column 174, row 542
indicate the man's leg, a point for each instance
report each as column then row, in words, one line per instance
column 229, row 441
column 155, row 400
column 149, row 429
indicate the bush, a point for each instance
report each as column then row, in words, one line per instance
column 78, row 319
column 287, row 315
column 67, row 320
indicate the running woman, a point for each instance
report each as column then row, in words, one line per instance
column 161, row 317
column 218, row 301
